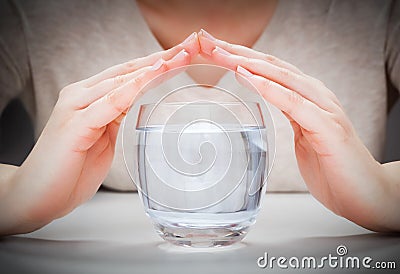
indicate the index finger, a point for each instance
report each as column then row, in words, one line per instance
column 209, row 42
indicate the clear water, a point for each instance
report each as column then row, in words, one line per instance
column 202, row 182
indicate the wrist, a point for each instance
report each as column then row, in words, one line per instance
column 375, row 207
column 15, row 203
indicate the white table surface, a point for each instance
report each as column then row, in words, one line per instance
column 111, row 234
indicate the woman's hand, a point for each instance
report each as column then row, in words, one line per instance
column 76, row 148
column 337, row 168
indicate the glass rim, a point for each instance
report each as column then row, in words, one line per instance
column 252, row 107
column 201, row 102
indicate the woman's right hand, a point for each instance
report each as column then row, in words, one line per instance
column 74, row 152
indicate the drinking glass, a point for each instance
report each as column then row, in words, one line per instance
column 200, row 165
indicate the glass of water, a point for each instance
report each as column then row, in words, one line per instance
column 200, row 167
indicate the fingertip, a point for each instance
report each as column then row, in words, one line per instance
column 197, row 43
column 186, row 56
column 221, row 51
column 245, row 82
column 207, row 35
column 244, row 72
column 180, row 59
column 189, row 38
column 180, row 55
column 206, row 46
column 193, row 48
column 191, row 44
column 157, row 65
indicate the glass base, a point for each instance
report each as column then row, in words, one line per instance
column 202, row 237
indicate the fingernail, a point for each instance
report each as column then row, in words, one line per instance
column 189, row 38
column 180, row 55
column 157, row 65
column 221, row 51
column 241, row 70
column 207, row 35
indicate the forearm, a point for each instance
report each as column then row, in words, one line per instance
column 14, row 203
column 392, row 172
column 9, row 220
column 6, row 173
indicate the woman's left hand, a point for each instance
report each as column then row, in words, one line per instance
column 336, row 166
